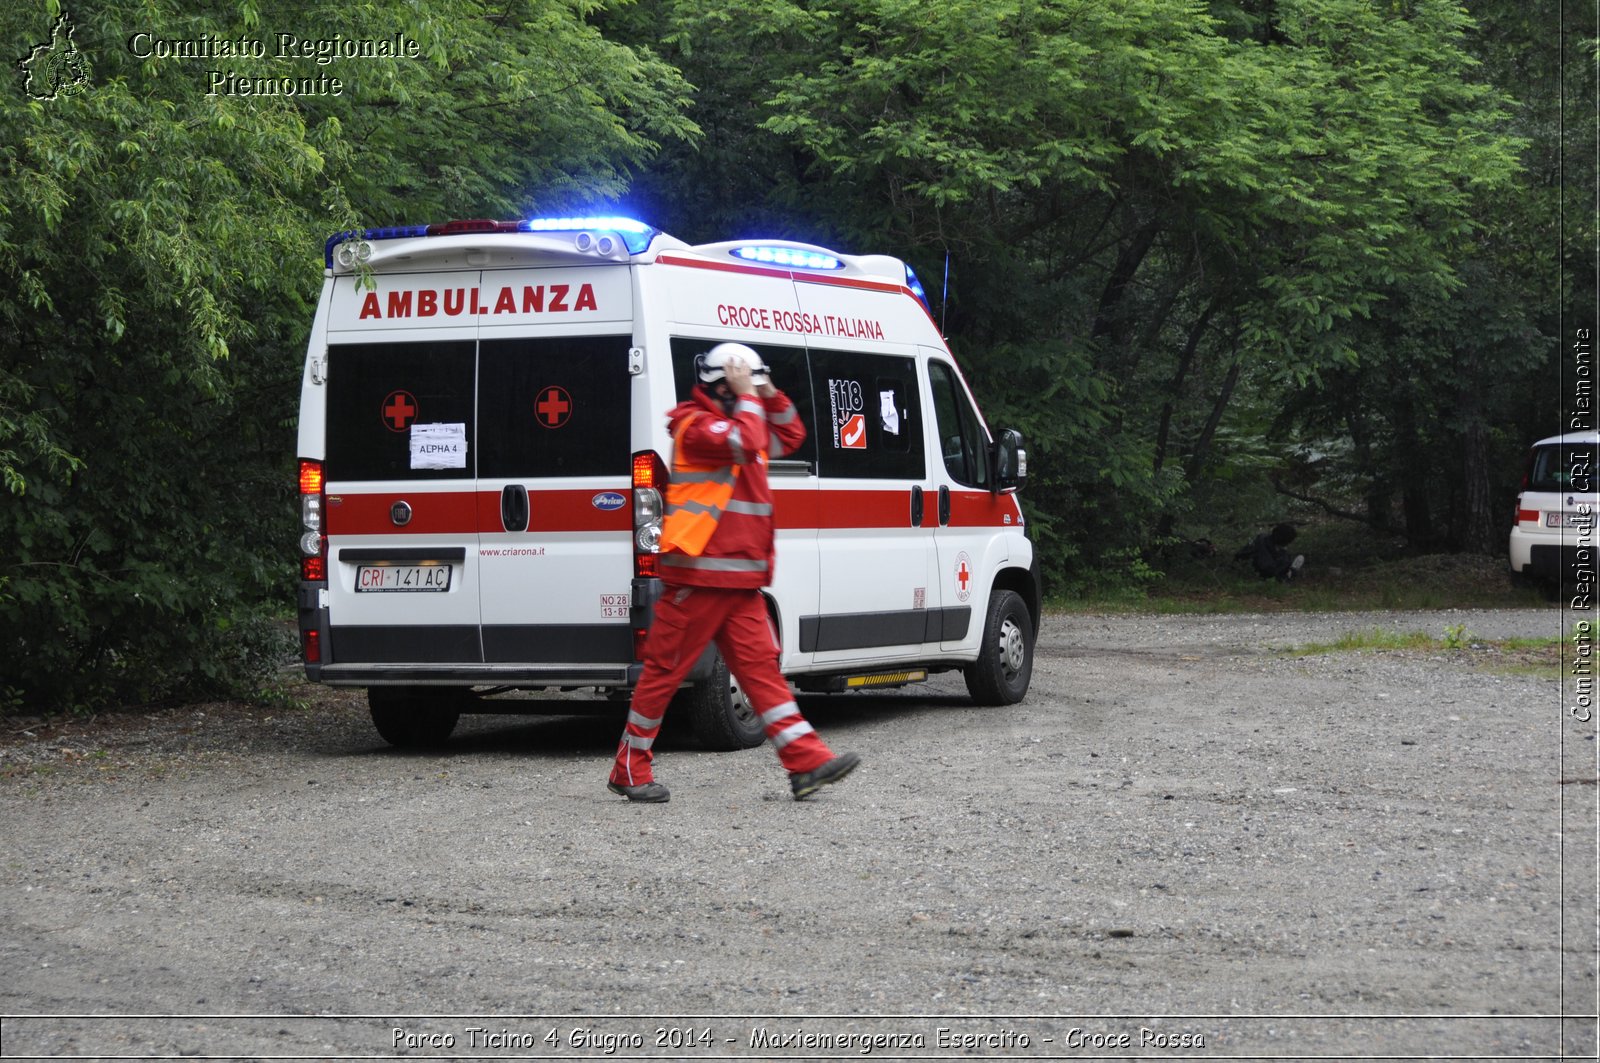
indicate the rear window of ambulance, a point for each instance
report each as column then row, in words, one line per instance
column 378, row 391
column 554, row 406
column 1563, row 467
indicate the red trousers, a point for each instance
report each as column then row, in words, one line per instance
column 686, row 619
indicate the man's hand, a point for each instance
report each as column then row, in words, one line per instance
column 737, row 374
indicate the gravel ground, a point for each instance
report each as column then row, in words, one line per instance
column 1184, row 842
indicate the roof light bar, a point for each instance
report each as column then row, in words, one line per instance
column 779, row 255
column 392, row 232
column 635, row 235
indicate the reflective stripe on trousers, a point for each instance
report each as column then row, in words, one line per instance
column 687, row 619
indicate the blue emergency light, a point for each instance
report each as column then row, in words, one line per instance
column 636, row 235
column 916, row 288
column 779, row 255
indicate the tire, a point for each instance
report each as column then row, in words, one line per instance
column 1004, row 666
column 414, row 717
column 718, row 712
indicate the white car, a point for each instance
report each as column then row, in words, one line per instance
column 1554, row 536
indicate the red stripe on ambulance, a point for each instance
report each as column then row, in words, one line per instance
column 432, row 513
column 469, row 513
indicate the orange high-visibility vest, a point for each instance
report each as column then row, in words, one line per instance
column 696, row 498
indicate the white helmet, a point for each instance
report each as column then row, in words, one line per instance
column 709, row 366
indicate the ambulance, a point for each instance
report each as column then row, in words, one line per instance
column 483, row 454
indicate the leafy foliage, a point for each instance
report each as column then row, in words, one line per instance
column 1167, row 220
column 1200, row 253
column 160, row 247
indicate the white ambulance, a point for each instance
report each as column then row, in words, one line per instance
column 483, row 453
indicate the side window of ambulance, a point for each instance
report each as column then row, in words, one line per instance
column 869, row 415
column 553, row 407
column 788, row 365
column 961, row 437
column 378, row 391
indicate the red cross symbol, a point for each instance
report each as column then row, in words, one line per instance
column 554, row 407
column 398, row 410
column 963, row 574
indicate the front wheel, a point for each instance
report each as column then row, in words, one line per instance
column 719, row 712
column 1004, row 666
column 414, row 717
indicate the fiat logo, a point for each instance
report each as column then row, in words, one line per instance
column 400, row 513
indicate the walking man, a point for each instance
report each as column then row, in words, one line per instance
column 717, row 550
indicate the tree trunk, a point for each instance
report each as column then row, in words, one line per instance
column 1175, row 389
column 1202, row 445
column 1111, row 318
column 1480, row 535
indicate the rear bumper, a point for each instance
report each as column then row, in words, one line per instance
column 574, row 655
column 1553, row 557
column 1571, row 564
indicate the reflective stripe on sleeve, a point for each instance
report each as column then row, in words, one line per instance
column 736, row 444
column 714, row 564
column 749, row 509
column 775, row 448
column 752, row 405
column 789, row 734
column 782, row 416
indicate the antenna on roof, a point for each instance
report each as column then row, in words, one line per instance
column 944, row 296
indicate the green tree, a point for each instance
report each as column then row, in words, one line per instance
column 160, row 244
column 1147, row 206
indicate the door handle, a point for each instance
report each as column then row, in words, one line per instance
column 514, row 508
column 944, row 505
column 916, row 506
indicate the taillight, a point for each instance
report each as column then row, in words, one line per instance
column 1527, row 516
column 649, row 480
column 313, row 538
column 311, row 646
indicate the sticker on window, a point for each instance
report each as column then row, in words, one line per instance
column 439, row 446
column 399, row 408
column 890, row 412
column 846, row 403
column 554, row 407
column 853, row 435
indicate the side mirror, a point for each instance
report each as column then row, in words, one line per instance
column 1010, row 462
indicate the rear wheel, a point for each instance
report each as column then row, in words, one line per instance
column 718, row 711
column 1004, row 666
column 415, row 717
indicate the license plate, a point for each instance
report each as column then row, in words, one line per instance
column 1569, row 520
column 403, row 577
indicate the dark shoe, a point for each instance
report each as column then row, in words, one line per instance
column 806, row 783
column 651, row 792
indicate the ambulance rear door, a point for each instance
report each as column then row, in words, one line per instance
column 554, row 470
column 401, row 491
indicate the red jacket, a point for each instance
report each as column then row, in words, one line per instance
column 740, row 552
